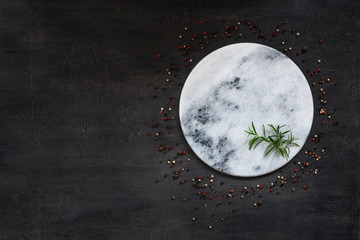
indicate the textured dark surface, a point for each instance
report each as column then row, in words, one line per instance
column 74, row 109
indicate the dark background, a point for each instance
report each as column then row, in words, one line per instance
column 75, row 106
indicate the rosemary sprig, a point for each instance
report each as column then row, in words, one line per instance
column 277, row 141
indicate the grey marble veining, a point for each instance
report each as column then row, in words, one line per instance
column 233, row 86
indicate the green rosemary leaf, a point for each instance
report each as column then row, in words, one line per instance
column 269, row 148
column 281, row 152
column 251, row 143
column 252, row 123
column 264, row 133
column 260, row 140
column 272, row 126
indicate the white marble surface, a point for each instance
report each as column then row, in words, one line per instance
column 233, row 86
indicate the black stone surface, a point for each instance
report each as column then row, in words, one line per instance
column 74, row 110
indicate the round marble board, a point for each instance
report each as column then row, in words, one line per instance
column 230, row 88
